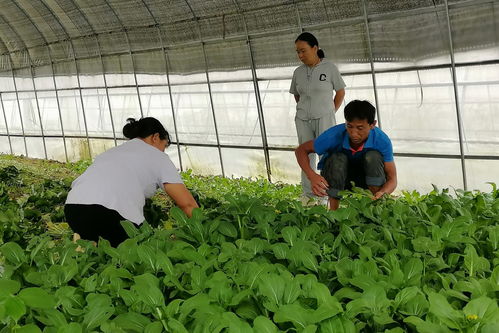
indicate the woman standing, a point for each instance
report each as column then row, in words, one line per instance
column 114, row 188
column 319, row 91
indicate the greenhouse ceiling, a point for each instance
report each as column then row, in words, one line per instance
column 36, row 33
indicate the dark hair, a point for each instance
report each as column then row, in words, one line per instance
column 144, row 127
column 360, row 110
column 312, row 41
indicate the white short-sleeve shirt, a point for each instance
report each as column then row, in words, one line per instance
column 316, row 86
column 123, row 177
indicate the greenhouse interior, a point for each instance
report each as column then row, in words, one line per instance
column 254, row 258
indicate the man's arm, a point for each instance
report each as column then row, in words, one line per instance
column 391, row 180
column 338, row 99
column 318, row 183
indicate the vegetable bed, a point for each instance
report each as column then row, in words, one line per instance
column 252, row 260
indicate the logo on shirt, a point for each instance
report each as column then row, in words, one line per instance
column 322, row 77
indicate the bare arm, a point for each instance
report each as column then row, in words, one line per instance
column 319, row 184
column 338, row 99
column 391, row 180
column 182, row 197
column 297, row 98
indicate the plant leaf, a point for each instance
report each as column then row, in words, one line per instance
column 8, row 287
column 293, row 313
column 99, row 309
column 441, row 308
column 13, row 253
column 37, row 298
column 264, row 325
column 485, row 308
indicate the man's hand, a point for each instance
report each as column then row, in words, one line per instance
column 319, row 185
column 378, row 195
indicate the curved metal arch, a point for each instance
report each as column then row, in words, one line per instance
column 14, row 80
column 196, row 19
column 358, row 19
column 325, row 10
column 241, row 13
column 167, row 72
column 90, row 27
column 371, row 61
column 298, row 17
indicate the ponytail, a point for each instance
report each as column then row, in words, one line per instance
column 144, row 127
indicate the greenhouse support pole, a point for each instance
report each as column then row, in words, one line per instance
column 261, row 117
column 195, row 18
column 78, row 76
column 105, row 80
column 167, row 68
column 124, row 29
column 134, row 73
column 55, row 81
column 256, row 88
column 371, row 60
column 53, row 77
column 456, row 97
column 19, row 108
column 58, row 105
column 81, row 99
column 107, row 90
column 17, row 92
column 6, row 125
column 38, row 107
column 213, row 110
column 167, row 72
column 298, row 17
column 5, row 114
column 14, row 79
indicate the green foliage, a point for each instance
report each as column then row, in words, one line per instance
column 255, row 260
column 80, row 166
column 9, row 175
column 211, row 191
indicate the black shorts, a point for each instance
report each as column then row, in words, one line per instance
column 94, row 221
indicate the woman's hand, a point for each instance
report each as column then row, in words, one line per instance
column 182, row 197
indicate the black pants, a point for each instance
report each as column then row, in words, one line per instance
column 94, row 221
column 365, row 170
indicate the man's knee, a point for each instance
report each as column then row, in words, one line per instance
column 336, row 163
column 373, row 157
column 374, row 168
column 335, row 172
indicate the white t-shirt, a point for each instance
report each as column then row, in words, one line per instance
column 123, row 177
column 315, row 86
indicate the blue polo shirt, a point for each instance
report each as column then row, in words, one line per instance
column 336, row 140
